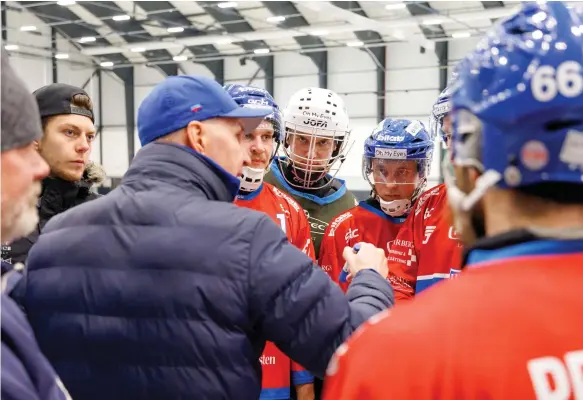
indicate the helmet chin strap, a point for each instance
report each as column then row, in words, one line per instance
column 251, row 179
column 395, row 208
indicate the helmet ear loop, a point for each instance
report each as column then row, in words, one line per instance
column 273, row 156
column 366, row 171
column 335, row 154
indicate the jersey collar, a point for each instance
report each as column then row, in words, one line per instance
column 249, row 195
column 519, row 243
column 369, row 205
column 322, row 201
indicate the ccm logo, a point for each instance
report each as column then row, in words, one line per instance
column 316, row 123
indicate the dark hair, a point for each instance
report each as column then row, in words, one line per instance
column 78, row 100
column 557, row 192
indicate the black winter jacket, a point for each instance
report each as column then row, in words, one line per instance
column 57, row 196
column 163, row 289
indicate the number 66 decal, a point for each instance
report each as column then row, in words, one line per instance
column 566, row 80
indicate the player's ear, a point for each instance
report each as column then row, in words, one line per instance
column 194, row 136
column 473, row 175
column 465, row 178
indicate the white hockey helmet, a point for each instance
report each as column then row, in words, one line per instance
column 316, row 135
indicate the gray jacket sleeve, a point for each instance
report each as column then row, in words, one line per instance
column 295, row 304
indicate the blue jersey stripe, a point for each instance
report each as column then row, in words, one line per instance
column 424, row 282
column 322, row 201
column 275, row 394
column 302, row 377
column 532, row 248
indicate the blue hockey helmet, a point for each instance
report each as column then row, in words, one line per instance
column 253, row 97
column 393, row 142
column 440, row 110
column 518, row 102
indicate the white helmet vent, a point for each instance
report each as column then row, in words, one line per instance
column 304, row 100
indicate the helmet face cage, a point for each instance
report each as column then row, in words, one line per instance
column 313, row 155
column 385, row 171
column 316, row 137
column 440, row 110
column 399, row 152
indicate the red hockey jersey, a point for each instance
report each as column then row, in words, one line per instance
column 276, row 366
column 426, row 249
column 508, row 327
column 363, row 223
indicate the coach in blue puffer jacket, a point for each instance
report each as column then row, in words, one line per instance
column 163, row 289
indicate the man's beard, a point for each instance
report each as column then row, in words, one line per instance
column 478, row 225
column 20, row 218
column 309, row 175
column 470, row 227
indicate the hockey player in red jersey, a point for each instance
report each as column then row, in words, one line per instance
column 427, row 249
column 396, row 161
column 262, row 146
column 510, row 326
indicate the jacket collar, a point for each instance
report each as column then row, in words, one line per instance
column 183, row 167
column 58, row 195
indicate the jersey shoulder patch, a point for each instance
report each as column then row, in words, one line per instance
column 339, row 220
column 286, row 198
column 429, row 197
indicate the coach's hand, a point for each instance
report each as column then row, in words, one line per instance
column 368, row 257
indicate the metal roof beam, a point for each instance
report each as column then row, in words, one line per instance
column 378, row 54
column 441, row 48
column 232, row 22
column 52, row 12
column 386, row 27
column 105, row 9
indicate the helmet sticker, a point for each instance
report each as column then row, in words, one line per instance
column 534, row 155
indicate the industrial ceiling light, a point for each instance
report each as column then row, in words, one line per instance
column 432, row 21
column 227, row 4
column 121, row 17
column 61, row 56
column 458, row 35
column 107, row 64
column 355, row 43
column 180, row 58
column 278, row 18
column 66, row 2
column 138, row 50
column 175, row 29
column 261, row 51
column 319, row 33
column 87, row 39
column 224, row 41
column 11, row 47
column 398, row 34
column 395, row 6
column 28, row 28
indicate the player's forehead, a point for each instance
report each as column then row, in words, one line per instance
column 392, row 163
column 309, row 136
column 265, row 127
